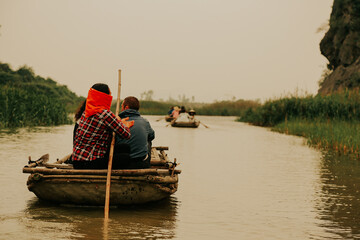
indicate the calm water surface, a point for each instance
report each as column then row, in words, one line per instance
column 238, row 182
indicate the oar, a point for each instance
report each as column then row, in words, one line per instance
column 170, row 123
column 204, row 125
column 108, row 178
column 159, row 119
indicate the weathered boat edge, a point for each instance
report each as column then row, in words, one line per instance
column 193, row 124
column 88, row 187
column 91, row 190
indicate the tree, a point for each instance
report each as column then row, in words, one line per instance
column 147, row 96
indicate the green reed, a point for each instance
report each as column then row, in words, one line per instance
column 341, row 106
column 227, row 108
column 26, row 108
column 335, row 135
column 222, row 108
column 328, row 122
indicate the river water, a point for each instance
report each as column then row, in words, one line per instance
column 237, row 182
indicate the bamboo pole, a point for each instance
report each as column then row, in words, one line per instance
column 92, row 178
column 108, row 179
column 125, row 172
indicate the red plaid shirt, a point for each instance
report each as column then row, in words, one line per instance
column 93, row 135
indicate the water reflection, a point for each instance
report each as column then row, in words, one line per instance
column 150, row 221
column 339, row 204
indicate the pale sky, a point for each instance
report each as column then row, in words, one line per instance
column 209, row 49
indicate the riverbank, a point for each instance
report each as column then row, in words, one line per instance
column 331, row 123
column 334, row 135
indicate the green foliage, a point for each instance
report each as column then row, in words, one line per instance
column 328, row 122
column 227, row 108
column 224, row 108
column 340, row 106
column 28, row 100
column 334, row 135
column 25, row 108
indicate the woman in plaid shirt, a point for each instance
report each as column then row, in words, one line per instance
column 94, row 131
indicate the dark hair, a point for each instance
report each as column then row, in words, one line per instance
column 182, row 109
column 132, row 103
column 101, row 87
column 80, row 111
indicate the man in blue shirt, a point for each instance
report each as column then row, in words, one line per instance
column 134, row 153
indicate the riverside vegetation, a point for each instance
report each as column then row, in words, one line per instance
column 30, row 100
column 27, row 99
column 328, row 122
column 221, row 108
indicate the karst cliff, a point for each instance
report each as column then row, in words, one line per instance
column 341, row 46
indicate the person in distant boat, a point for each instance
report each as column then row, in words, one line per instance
column 138, row 146
column 192, row 114
column 183, row 116
column 93, row 134
column 175, row 113
column 170, row 111
column 182, row 110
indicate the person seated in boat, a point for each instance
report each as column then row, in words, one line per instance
column 192, row 114
column 170, row 111
column 182, row 110
column 138, row 146
column 183, row 117
column 77, row 117
column 175, row 113
column 93, row 134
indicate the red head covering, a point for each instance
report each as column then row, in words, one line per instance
column 96, row 102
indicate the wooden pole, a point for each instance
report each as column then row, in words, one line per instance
column 204, row 125
column 108, row 179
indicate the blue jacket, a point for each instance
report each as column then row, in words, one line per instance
column 141, row 134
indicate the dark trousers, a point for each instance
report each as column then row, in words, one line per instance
column 121, row 160
column 121, row 156
column 99, row 163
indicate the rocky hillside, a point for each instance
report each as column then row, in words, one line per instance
column 341, row 46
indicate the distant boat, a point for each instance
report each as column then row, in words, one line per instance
column 186, row 124
column 60, row 183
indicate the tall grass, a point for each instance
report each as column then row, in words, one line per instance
column 227, row 108
column 21, row 108
column 340, row 106
column 328, row 122
column 335, row 135
column 223, row 108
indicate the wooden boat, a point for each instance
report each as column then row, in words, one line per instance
column 169, row 119
column 186, row 124
column 60, row 183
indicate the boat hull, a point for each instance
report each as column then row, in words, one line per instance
column 91, row 191
column 169, row 119
column 61, row 183
column 194, row 124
